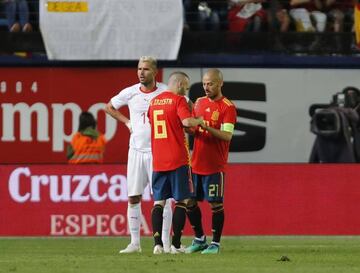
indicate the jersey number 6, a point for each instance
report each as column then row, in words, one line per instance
column 159, row 125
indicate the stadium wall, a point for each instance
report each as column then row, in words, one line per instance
column 40, row 107
column 275, row 195
column 260, row 199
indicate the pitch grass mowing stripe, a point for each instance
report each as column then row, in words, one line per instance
column 251, row 254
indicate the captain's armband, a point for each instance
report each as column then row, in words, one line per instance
column 227, row 127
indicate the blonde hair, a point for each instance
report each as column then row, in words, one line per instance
column 149, row 59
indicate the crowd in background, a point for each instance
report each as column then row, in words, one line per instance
column 316, row 16
column 19, row 15
column 311, row 16
column 263, row 15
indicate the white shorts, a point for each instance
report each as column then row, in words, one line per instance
column 139, row 172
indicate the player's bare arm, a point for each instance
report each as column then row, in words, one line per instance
column 223, row 134
column 109, row 109
column 192, row 122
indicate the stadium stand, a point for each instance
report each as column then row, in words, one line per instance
column 3, row 20
column 206, row 31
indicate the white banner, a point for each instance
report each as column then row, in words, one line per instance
column 111, row 29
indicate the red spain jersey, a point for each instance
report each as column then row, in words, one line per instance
column 210, row 154
column 168, row 142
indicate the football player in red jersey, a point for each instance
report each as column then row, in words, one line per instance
column 209, row 158
column 168, row 115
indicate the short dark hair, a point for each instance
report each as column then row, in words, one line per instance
column 86, row 120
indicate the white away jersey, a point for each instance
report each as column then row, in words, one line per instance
column 138, row 103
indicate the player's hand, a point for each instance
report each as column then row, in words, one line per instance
column 201, row 121
column 128, row 124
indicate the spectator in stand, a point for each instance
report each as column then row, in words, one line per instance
column 302, row 10
column 336, row 11
column 277, row 16
column 87, row 144
column 278, row 22
column 207, row 15
column 246, row 15
column 17, row 14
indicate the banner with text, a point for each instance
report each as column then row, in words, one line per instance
column 111, row 29
column 39, row 109
column 260, row 199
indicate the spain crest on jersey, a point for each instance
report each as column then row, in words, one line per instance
column 215, row 115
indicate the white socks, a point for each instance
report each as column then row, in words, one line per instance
column 134, row 221
column 167, row 221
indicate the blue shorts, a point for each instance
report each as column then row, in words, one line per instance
column 208, row 187
column 176, row 184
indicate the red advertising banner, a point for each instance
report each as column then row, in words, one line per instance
column 40, row 108
column 260, row 199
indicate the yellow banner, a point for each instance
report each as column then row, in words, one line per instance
column 62, row 6
column 357, row 23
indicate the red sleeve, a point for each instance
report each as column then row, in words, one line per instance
column 193, row 112
column 230, row 115
column 183, row 111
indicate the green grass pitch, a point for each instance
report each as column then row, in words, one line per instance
column 307, row 254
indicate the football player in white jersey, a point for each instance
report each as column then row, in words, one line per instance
column 139, row 168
